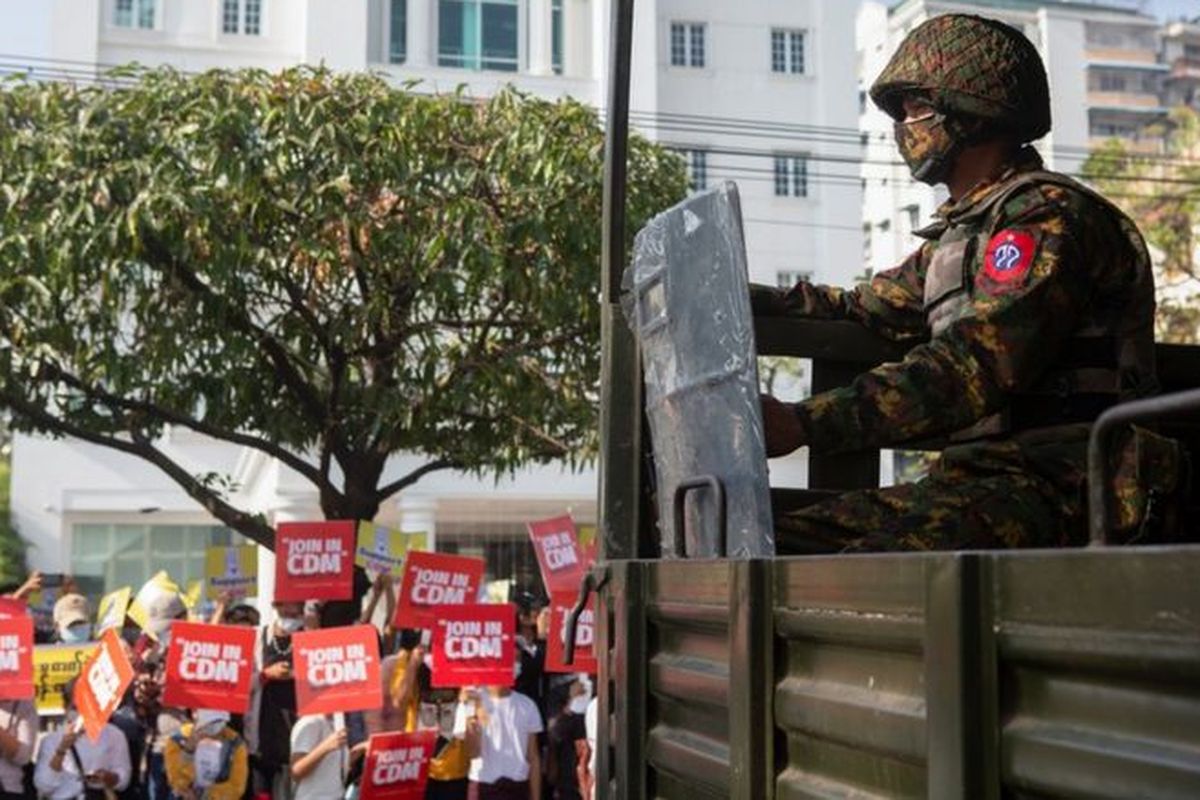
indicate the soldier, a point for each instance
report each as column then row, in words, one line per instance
column 1030, row 304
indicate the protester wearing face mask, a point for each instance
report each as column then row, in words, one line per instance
column 272, row 711
column 73, row 619
column 207, row 760
column 70, row 765
column 568, row 747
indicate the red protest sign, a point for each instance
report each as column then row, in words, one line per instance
column 13, row 607
column 397, row 765
column 558, row 552
column 314, row 560
column 16, row 658
column 337, row 669
column 209, row 666
column 561, row 604
column 102, row 684
column 433, row 579
column 474, row 645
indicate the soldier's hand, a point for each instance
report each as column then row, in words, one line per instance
column 781, row 427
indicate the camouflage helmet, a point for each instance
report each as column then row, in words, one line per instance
column 973, row 66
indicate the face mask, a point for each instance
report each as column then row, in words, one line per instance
column 213, row 728
column 290, row 625
column 76, row 634
column 579, row 704
column 927, row 147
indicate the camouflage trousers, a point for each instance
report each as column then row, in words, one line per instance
column 1024, row 492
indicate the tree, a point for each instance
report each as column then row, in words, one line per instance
column 313, row 265
column 1161, row 192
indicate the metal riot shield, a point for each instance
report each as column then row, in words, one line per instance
column 687, row 297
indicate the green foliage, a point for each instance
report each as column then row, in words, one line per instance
column 12, row 547
column 314, row 264
column 1160, row 193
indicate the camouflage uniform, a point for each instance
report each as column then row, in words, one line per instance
column 1033, row 303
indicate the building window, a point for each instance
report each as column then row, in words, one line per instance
column 134, row 14
column 791, row 176
column 398, row 32
column 478, row 34
column 787, row 51
column 787, row 278
column 556, row 36
column 110, row 556
column 687, row 44
column 1112, row 83
column 697, row 161
column 241, row 16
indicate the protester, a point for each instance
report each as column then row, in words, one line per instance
column 162, row 722
column 18, row 734
column 500, row 728
column 320, row 757
column 450, row 765
column 567, row 739
column 590, row 725
column 207, row 760
column 272, row 713
column 70, row 765
column 533, row 622
column 72, row 619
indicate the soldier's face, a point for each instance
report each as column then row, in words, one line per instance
column 923, row 141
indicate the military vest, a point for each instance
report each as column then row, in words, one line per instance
column 1110, row 355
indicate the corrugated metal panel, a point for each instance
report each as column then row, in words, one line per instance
column 850, row 689
column 1100, row 673
column 688, row 711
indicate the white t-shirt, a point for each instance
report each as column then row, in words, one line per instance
column 110, row 752
column 325, row 782
column 510, row 721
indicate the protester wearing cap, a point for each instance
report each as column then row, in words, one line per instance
column 73, row 619
column 163, row 605
column 206, row 759
column 70, row 765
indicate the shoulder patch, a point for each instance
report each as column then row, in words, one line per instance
column 1008, row 257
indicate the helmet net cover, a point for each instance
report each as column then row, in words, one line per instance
column 970, row 65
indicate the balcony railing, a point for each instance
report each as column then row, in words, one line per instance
column 1124, row 99
column 1129, row 55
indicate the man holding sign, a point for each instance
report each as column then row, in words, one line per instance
column 397, row 766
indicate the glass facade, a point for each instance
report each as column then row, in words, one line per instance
column 478, row 34
column 108, row 556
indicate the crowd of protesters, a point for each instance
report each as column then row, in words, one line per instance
column 533, row 740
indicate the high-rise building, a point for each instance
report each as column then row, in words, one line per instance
column 761, row 92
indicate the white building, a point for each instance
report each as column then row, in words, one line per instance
column 761, row 92
column 1106, row 78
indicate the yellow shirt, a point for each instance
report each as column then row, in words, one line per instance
column 452, row 763
column 181, row 771
column 410, row 706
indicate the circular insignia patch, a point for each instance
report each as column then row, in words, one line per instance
column 1009, row 255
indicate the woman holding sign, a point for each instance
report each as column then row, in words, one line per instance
column 206, row 759
column 18, row 732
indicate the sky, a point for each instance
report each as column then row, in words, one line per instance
column 1173, row 9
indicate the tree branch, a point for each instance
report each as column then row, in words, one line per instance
column 248, row 524
column 408, row 480
column 164, row 414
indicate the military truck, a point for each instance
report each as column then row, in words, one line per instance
column 1036, row 673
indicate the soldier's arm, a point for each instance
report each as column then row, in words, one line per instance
column 890, row 304
column 1009, row 333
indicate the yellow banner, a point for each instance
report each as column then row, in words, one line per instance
column 113, row 607
column 53, row 666
column 381, row 549
column 231, row 569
